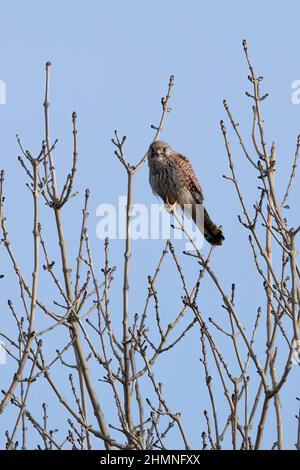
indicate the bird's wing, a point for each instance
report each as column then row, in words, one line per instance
column 187, row 175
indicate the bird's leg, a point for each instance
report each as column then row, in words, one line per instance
column 171, row 208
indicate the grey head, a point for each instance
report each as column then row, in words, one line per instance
column 158, row 150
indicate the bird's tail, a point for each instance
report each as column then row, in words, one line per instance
column 212, row 233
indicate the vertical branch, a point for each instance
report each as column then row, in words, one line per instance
column 264, row 155
column 79, row 352
column 25, row 397
column 262, row 422
column 165, row 109
column 34, row 289
column 269, row 254
column 295, row 286
column 234, row 420
column 277, row 404
column 79, row 256
column 126, row 341
column 208, row 380
column 298, row 430
column 1, row 195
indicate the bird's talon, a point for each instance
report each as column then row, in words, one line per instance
column 171, row 208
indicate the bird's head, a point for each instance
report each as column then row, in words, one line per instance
column 159, row 150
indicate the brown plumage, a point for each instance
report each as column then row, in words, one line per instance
column 172, row 177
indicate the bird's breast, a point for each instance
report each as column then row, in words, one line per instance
column 163, row 179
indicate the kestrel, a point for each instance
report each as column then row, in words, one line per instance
column 172, row 177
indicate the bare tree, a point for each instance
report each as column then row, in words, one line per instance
column 138, row 415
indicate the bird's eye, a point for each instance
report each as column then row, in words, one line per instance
column 165, row 149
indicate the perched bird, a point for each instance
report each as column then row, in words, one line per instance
column 172, row 177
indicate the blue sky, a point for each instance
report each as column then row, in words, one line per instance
column 111, row 63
